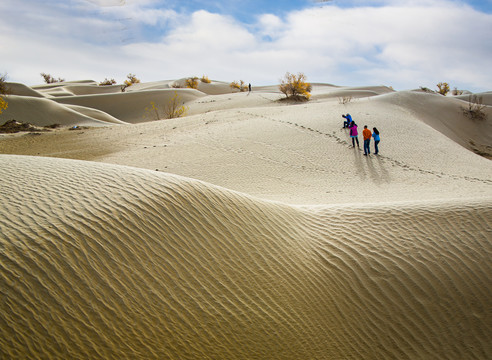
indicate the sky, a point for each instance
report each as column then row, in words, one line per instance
column 405, row 44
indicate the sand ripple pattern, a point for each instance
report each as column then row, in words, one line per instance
column 106, row 262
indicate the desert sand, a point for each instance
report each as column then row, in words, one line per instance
column 248, row 229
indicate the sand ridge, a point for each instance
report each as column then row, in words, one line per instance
column 150, row 265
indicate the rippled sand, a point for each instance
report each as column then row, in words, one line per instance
column 104, row 261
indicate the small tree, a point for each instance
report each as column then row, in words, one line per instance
column 443, row 88
column 48, row 79
column 107, row 82
column 238, row 85
column 192, row 82
column 295, row 87
column 130, row 80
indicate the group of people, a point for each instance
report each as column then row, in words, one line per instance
column 366, row 133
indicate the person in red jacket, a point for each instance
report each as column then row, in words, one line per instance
column 366, row 133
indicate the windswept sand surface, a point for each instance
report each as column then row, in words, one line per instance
column 380, row 257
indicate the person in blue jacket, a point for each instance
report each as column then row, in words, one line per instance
column 348, row 120
column 375, row 135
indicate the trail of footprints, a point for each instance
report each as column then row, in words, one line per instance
column 394, row 162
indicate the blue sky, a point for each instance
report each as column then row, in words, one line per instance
column 399, row 43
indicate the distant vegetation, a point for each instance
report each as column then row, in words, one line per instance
column 48, row 79
column 4, row 90
column 475, row 107
column 295, row 87
column 238, row 85
column 345, row 100
column 457, row 92
column 426, row 89
column 205, row 80
column 107, row 82
column 173, row 109
column 443, row 88
column 130, row 80
column 192, row 82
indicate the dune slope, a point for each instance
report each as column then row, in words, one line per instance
column 45, row 112
column 103, row 261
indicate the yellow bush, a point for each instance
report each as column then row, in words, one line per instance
column 295, row 86
column 4, row 90
column 152, row 111
column 108, row 82
column 238, row 85
column 3, row 104
column 443, row 88
column 205, row 79
column 174, row 109
column 131, row 79
column 192, row 83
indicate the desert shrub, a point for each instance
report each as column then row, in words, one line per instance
column 3, row 104
column 205, row 80
column 175, row 108
column 443, row 88
column 4, row 90
column 152, row 111
column 457, row 92
column 107, row 82
column 345, row 99
column 48, row 79
column 295, row 87
column 192, row 82
column 130, row 80
column 238, row 85
column 475, row 107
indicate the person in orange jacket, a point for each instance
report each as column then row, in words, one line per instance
column 366, row 133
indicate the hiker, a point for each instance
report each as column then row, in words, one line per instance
column 375, row 135
column 366, row 133
column 348, row 120
column 354, row 133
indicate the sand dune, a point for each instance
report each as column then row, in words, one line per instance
column 485, row 97
column 445, row 115
column 129, row 263
column 44, row 112
column 22, row 90
column 130, row 106
column 263, row 234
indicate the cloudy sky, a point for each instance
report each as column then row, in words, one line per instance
column 399, row 43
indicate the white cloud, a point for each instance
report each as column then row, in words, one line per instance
column 402, row 44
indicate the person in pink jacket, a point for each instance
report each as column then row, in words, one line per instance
column 354, row 134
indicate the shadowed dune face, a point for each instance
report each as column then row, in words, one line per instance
column 101, row 261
